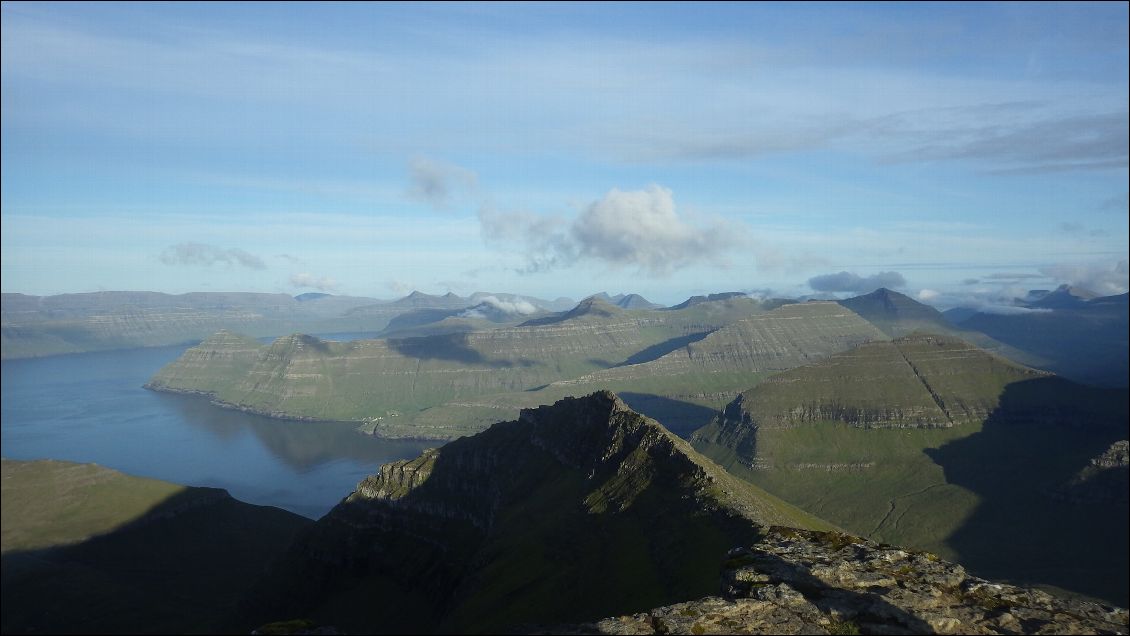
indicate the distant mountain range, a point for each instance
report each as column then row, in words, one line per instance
column 1071, row 331
column 33, row 326
column 447, row 385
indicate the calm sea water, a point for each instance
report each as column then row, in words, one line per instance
column 91, row 408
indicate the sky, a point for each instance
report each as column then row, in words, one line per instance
column 960, row 153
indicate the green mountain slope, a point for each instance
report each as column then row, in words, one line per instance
column 380, row 380
column 684, row 387
column 571, row 512
column 899, row 315
column 683, row 383
column 89, row 550
column 930, row 443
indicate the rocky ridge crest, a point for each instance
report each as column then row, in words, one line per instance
column 810, row 582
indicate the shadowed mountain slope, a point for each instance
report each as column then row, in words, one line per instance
column 931, row 443
column 896, row 314
column 580, row 509
column 1083, row 340
column 90, row 550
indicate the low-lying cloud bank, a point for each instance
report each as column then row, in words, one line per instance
column 207, row 255
column 1105, row 279
column 639, row 228
column 516, row 307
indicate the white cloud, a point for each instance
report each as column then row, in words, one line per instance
column 927, row 295
column 306, row 279
column 207, row 255
column 516, row 307
column 851, row 282
column 1105, row 279
column 638, row 228
column 437, row 183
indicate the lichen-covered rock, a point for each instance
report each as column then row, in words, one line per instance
column 808, row 582
column 1118, row 455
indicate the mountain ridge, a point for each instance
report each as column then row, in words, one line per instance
column 581, row 489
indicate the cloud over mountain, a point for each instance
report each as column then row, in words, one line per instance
column 635, row 228
column 850, row 282
column 206, row 255
column 306, row 279
column 1105, row 279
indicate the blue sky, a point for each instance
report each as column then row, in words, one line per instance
column 954, row 151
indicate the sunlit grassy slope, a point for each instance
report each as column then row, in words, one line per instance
column 453, row 384
column 929, row 442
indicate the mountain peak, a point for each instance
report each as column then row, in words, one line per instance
column 582, row 487
column 593, row 306
column 695, row 300
column 896, row 314
column 1064, row 297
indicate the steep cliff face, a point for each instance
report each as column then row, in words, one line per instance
column 798, row 582
column 208, row 367
column 544, row 518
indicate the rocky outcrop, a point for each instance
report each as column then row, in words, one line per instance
column 1103, row 481
column 1118, row 455
column 804, row 582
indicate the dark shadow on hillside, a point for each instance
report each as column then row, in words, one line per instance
column 1087, row 344
column 679, row 417
column 180, row 568
column 665, row 347
column 508, row 510
column 454, row 347
column 419, row 317
column 1043, row 432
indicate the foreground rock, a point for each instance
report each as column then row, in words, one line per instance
column 808, row 582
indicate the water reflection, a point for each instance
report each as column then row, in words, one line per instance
column 302, row 445
column 91, row 408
